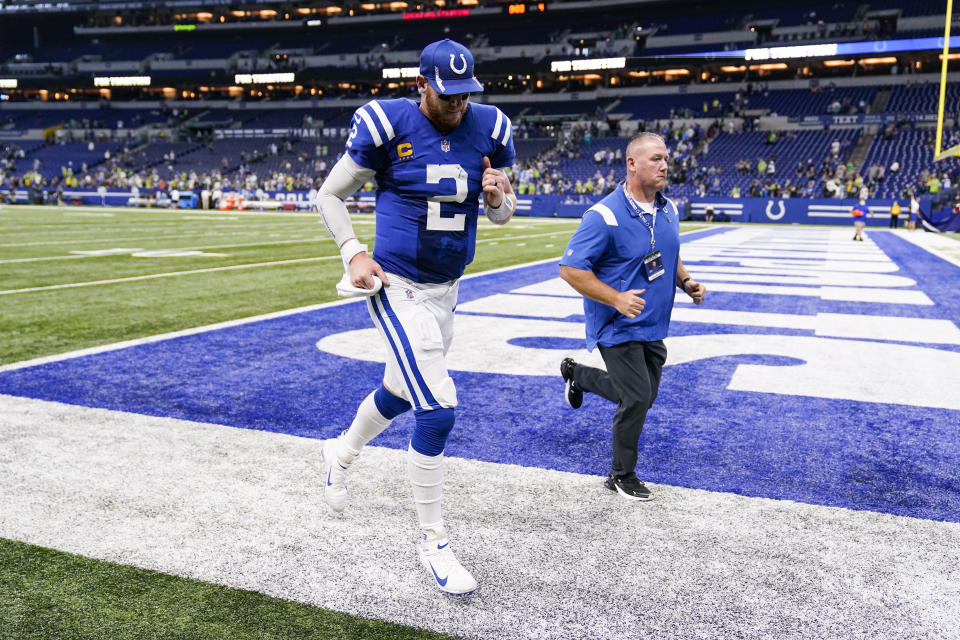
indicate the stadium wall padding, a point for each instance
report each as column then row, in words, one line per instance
column 766, row 210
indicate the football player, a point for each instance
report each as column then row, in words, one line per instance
column 433, row 163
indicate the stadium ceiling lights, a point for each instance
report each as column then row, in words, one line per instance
column 596, row 64
column 263, row 78
column 785, row 53
column 122, row 81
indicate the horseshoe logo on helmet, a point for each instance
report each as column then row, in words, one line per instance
column 462, row 69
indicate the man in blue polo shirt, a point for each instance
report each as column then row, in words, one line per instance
column 624, row 258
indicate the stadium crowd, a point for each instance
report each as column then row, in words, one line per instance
column 575, row 166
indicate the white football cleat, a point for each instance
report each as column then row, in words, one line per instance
column 444, row 568
column 334, row 487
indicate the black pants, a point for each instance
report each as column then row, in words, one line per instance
column 631, row 380
column 893, row 222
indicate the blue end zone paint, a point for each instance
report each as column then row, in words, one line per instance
column 269, row 375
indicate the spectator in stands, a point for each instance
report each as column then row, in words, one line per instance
column 894, row 214
column 914, row 212
column 761, row 167
column 895, row 167
column 830, row 188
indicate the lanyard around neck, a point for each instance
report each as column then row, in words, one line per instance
column 640, row 212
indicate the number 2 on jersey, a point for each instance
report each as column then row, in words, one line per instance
column 436, row 173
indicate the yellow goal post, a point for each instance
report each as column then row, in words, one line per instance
column 939, row 152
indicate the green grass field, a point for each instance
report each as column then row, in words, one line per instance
column 73, row 278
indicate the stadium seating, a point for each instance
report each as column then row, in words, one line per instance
column 356, row 53
column 52, row 157
column 917, row 99
column 913, row 149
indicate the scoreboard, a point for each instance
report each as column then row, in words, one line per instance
column 523, row 8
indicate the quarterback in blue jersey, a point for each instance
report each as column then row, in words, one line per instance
column 433, row 162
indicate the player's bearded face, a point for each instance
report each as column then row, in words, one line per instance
column 445, row 112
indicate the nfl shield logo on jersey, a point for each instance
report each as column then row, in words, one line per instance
column 445, row 145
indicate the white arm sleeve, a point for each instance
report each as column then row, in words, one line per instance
column 344, row 178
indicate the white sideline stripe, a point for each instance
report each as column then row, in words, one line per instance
column 241, row 321
column 23, row 364
column 116, row 346
column 167, row 275
column 97, row 483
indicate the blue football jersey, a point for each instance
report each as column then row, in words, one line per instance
column 428, row 184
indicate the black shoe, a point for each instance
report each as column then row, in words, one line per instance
column 628, row 487
column 572, row 394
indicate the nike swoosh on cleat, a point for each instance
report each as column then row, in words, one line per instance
column 441, row 546
column 442, row 582
column 328, row 477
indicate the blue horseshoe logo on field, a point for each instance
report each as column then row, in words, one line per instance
column 771, row 215
column 463, row 69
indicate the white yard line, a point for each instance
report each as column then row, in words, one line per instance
column 202, row 248
column 246, row 231
column 324, row 238
column 557, row 556
column 167, row 275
